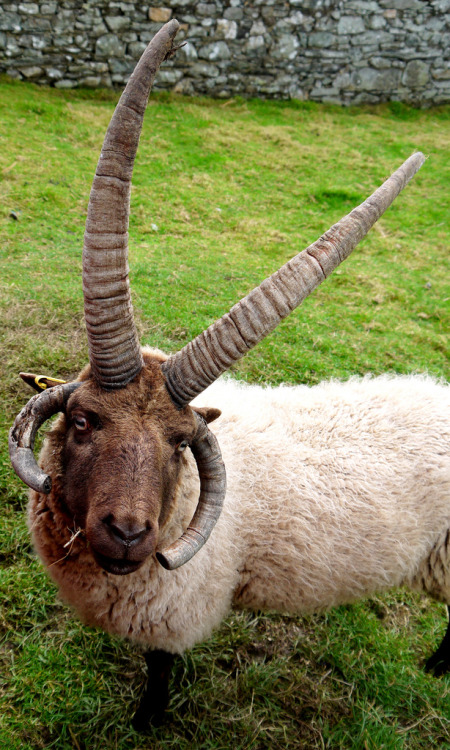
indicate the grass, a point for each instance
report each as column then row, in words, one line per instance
column 234, row 189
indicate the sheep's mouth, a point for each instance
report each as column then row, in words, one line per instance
column 116, row 567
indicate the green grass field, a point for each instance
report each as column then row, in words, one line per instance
column 223, row 194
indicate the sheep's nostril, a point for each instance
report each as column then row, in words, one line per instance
column 126, row 531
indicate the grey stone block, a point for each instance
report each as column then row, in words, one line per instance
column 404, row 4
column 32, row 72
column 29, row 8
column 90, row 82
column 226, row 29
column 122, row 68
column 54, row 74
column 10, row 22
column 286, row 48
column 185, row 86
column 169, row 77
column 368, row 79
column 65, row 83
column 49, row 9
column 321, row 39
column 117, row 23
column 135, row 49
column 204, row 70
column 13, row 73
column 441, row 74
column 215, row 51
column 350, row 25
column 255, row 44
column 233, row 14
column 206, row 9
column 377, row 22
column 416, row 75
column 109, row 45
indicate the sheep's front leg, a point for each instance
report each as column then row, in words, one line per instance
column 155, row 699
column 439, row 662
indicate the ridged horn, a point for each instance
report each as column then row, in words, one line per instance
column 114, row 350
column 22, row 434
column 211, row 470
column 199, row 363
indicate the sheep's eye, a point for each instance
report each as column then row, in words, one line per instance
column 80, row 423
column 182, row 446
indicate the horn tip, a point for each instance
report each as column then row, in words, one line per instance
column 173, row 24
column 164, row 561
column 47, row 485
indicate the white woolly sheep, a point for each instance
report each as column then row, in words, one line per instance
column 333, row 492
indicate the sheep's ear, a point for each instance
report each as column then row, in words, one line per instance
column 208, row 413
column 40, row 382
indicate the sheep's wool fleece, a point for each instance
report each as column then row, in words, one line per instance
column 334, row 492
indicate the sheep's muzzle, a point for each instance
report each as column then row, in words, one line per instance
column 116, row 567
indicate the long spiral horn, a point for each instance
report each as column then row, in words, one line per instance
column 114, row 349
column 199, row 363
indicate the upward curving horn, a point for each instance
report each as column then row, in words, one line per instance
column 199, row 363
column 114, row 350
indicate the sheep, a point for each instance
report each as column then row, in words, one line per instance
column 299, row 498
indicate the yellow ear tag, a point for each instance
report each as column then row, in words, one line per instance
column 44, row 381
column 40, row 382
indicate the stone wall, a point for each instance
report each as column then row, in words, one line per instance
column 351, row 51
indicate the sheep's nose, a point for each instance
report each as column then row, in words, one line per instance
column 126, row 531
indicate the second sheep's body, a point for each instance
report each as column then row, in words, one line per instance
column 334, row 492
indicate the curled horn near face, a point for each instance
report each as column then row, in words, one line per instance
column 123, row 518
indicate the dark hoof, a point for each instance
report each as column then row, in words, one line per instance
column 144, row 722
column 140, row 723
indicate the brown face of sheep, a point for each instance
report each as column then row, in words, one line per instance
column 122, row 456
